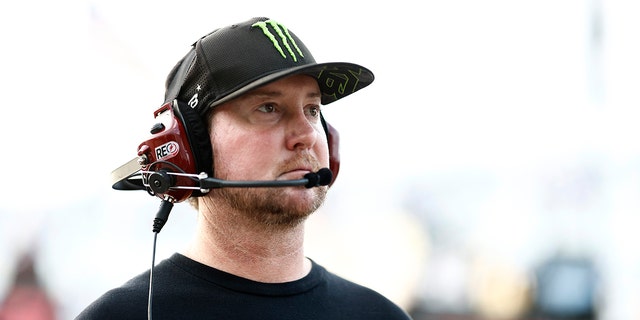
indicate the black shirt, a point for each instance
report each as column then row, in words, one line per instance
column 186, row 289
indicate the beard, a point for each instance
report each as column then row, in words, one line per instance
column 272, row 207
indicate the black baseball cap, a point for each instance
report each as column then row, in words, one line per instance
column 235, row 59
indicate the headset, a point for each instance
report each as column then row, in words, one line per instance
column 175, row 160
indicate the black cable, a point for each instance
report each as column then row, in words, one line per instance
column 161, row 218
column 153, row 262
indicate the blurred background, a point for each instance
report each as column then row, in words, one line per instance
column 492, row 170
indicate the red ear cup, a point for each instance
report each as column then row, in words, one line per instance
column 334, row 153
column 167, row 151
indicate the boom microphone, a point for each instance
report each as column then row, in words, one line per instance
column 312, row 179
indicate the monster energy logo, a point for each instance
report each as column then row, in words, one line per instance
column 284, row 36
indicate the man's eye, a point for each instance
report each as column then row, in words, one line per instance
column 314, row 111
column 267, row 108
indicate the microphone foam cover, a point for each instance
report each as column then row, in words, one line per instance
column 324, row 176
column 321, row 178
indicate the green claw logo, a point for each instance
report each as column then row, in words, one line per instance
column 283, row 35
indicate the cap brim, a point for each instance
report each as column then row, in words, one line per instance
column 336, row 80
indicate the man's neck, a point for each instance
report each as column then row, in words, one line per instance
column 235, row 245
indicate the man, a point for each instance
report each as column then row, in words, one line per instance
column 258, row 92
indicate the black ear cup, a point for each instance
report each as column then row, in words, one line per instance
column 198, row 136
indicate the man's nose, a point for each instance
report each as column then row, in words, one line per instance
column 301, row 132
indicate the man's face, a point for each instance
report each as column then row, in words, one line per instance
column 271, row 133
